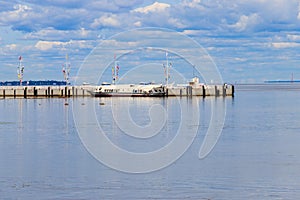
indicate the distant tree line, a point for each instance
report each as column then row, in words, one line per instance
column 25, row 83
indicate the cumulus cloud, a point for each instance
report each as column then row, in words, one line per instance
column 137, row 23
column 241, row 16
column 275, row 14
column 11, row 47
column 48, row 45
column 33, row 18
column 19, row 12
column 53, row 34
column 108, row 20
column 192, row 4
column 293, row 37
column 157, row 14
column 246, row 22
column 224, row 27
column 155, row 7
column 281, row 45
column 177, row 23
column 193, row 32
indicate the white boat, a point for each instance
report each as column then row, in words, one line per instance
column 129, row 90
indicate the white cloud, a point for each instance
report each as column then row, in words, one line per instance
column 108, row 20
column 281, row 45
column 246, row 22
column 240, row 59
column 155, row 7
column 116, row 43
column 46, row 45
column 293, row 37
column 49, row 45
column 53, row 34
column 272, row 11
column 138, row 24
column 84, row 32
column 11, row 47
column 47, row 27
column 45, row 33
column 193, row 32
column 20, row 12
column 191, row 4
column 176, row 23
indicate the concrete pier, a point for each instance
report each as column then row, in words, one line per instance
column 44, row 91
column 82, row 91
column 185, row 91
column 194, row 88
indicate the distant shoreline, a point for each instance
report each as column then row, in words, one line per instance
column 283, row 81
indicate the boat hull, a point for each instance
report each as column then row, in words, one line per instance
column 103, row 94
column 129, row 90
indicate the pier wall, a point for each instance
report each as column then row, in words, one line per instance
column 82, row 91
column 185, row 91
column 44, row 91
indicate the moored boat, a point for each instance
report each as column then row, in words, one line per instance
column 143, row 89
column 129, row 90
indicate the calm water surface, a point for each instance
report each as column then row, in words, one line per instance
column 256, row 157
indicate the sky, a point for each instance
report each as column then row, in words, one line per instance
column 249, row 41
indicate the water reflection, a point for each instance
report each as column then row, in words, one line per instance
column 151, row 155
column 256, row 157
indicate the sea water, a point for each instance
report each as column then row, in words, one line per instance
column 256, row 156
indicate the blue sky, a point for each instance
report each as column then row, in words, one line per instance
column 250, row 41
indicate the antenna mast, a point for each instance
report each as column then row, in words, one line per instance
column 66, row 69
column 20, row 70
column 167, row 69
column 115, row 71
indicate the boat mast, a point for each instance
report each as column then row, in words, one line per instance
column 20, row 70
column 66, row 69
